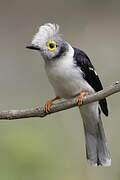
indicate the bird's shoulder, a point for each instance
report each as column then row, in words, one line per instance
column 89, row 74
column 82, row 59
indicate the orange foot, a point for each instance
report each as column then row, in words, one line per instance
column 80, row 98
column 48, row 104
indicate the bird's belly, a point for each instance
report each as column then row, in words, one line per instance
column 68, row 83
column 66, row 88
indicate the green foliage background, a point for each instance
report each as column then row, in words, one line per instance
column 53, row 148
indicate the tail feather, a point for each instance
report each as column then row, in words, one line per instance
column 96, row 147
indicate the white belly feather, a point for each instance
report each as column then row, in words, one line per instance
column 66, row 79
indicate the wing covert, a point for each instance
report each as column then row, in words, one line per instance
column 90, row 75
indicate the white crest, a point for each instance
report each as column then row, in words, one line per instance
column 45, row 33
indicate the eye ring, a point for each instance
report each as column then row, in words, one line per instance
column 51, row 45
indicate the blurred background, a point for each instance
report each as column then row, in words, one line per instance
column 53, row 148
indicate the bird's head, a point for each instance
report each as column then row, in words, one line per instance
column 48, row 41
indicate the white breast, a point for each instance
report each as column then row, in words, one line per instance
column 66, row 79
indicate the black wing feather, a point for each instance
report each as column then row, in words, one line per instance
column 83, row 61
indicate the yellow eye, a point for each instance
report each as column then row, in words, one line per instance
column 51, row 45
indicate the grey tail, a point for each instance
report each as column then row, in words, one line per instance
column 96, row 147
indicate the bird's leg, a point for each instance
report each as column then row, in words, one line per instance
column 80, row 98
column 48, row 104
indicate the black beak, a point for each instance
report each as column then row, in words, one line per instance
column 33, row 47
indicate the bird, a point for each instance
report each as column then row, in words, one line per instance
column 72, row 74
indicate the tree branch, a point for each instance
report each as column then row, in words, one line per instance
column 60, row 106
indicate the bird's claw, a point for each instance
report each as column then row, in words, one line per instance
column 79, row 99
column 47, row 106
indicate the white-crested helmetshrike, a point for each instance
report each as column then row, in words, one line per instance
column 71, row 74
